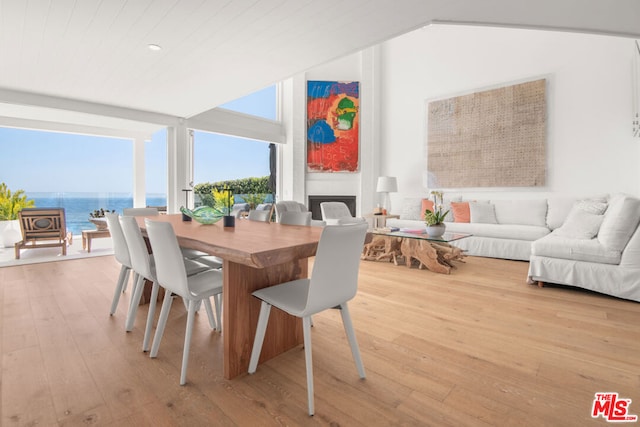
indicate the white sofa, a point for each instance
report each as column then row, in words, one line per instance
column 608, row 263
column 507, row 233
column 589, row 243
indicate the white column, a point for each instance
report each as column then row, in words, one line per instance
column 370, row 129
column 292, row 168
column 139, row 176
column 179, row 168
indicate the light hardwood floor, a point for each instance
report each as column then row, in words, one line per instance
column 475, row 348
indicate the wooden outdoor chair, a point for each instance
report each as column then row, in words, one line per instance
column 42, row 228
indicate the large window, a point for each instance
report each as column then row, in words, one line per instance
column 262, row 103
column 155, row 153
column 80, row 173
column 220, row 157
column 64, row 162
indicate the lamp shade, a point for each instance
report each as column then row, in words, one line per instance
column 387, row 184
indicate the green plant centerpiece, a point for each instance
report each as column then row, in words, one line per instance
column 97, row 218
column 208, row 215
column 435, row 218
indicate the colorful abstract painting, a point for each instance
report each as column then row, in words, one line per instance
column 333, row 119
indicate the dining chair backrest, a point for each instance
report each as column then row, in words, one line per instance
column 334, row 278
column 255, row 215
column 337, row 213
column 120, row 248
column 288, row 206
column 295, row 218
column 140, row 258
column 140, row 211
column 238, row 209
column 170, row 269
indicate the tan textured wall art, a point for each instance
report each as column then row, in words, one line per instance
column 492, row 138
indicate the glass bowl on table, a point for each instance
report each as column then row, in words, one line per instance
column 204, row 214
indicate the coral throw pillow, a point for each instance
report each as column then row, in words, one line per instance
column 426, row 204
column 461, row 212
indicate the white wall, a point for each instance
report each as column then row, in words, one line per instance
column 590, row 148
column 357, row 67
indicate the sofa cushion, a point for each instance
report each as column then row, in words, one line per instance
column 426, row 205
column 411, row 209
column 592, row 206
column 482, row 213
column 461, row 212
column 591, row 250
column 580, row 224
column 498, row 231
column 620, row 222
column 523, row 212
column 558, row 209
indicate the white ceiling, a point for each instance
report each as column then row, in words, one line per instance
column 83, row 55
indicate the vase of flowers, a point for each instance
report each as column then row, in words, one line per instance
column 226, row 197
column 435, row 218
column 97, row 218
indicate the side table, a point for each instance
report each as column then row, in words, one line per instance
column 379, row 221
column 87, row 235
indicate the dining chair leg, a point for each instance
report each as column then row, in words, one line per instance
column 123, row 278
column 162, row 322
column 150, row 317
column 351, row 336
column 209, row 309
column 126, row 281
column 191, row 314
column 306, row 329
column 263, row 319
column 218, row 303
column 135, row 301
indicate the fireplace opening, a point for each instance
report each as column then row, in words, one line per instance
column 314, row 204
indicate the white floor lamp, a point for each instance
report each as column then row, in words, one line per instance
column 386, row 185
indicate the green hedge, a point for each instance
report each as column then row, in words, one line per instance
column 239, row 187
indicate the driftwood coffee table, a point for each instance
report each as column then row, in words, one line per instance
column 433, row 253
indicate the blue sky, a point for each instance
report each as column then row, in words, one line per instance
column 37, row 161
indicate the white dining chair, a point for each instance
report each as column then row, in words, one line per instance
column 333, row 282
column 256, row 215
column 121, row 253
column 140, row 212
column 288, row 206
column 173, row 276
column 145, row 265
column 295, row 218
column 194, row 254
column 337, row 213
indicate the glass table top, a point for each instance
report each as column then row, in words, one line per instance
column 418, row 234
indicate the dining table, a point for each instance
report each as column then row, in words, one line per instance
column 255, row 255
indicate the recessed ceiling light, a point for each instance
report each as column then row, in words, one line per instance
column 154, row 47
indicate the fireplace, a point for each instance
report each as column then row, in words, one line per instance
column 314, row 204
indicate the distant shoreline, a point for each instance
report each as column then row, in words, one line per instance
column 79, row 205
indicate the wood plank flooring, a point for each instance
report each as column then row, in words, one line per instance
column 478, row 347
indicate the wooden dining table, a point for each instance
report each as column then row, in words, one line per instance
column 256, row 255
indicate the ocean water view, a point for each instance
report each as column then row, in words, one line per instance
column 78, row 206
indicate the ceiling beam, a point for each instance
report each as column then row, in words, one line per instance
column 10, row 96
column 43, row 125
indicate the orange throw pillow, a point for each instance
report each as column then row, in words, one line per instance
column 426, row 204
column 461, row 211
